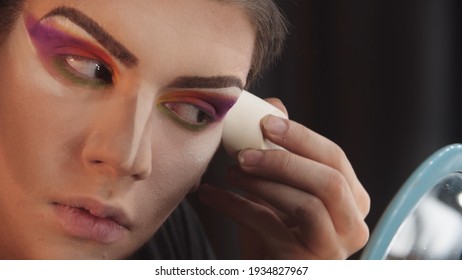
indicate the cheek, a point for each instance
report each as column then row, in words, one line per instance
column 34, row 119
column 29, row 114
column 184, row 155
column 193, row 152
column 178, row 165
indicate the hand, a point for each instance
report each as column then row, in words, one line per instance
column 303, row 203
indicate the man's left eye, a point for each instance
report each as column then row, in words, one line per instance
column 188, row 114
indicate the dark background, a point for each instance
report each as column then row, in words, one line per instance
column 381, row 78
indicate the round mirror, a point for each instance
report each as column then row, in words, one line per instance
column 424, row 219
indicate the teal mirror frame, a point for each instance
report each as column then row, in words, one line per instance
column 443, row 162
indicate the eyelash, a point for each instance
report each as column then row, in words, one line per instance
column 189, row 114
column 68, row 65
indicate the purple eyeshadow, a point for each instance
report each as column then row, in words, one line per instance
column 221, row 103
column 48, row 39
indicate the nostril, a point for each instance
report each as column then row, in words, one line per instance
column 112, row 167
column 140, row 176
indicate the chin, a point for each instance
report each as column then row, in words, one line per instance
column 78, row 250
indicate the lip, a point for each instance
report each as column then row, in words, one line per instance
column 91, row 219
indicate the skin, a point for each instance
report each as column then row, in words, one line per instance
column 64, row 141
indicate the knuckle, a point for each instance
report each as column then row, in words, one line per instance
column 336, row 184
column 301, row 212
column 311, row 205
column 356, row 233
column 336, row 252
column 338, row 157
column 365, row 205
column 340, row 255
column 357, row 236
column 305, row 135
column 286, row 161
column 363, row 200
column 337, row 152
column 360, row 236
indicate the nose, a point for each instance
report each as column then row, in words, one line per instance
column 118, row 142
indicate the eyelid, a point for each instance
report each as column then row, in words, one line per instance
column 190, row 100
column 61, row 53
column 52, row 40
column 70, row 50
column 70, row 73
column 180, row 120
column 91, row 28
column 212, row 104
column 94, row 54
column 221, row 103
column 79, row 38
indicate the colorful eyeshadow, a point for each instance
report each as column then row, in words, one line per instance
column 210, row 105
column 55, row 47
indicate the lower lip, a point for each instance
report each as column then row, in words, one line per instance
column 80, row 223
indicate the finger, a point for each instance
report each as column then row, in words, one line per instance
column 337, row 212
column 290, row 201
column 280, row 241
column 286, row 219
column 309, row 212
column 252, row 216
column 251, row 245
column 307, row 143
column 307, row 175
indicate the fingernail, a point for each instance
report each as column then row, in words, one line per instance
column 274, row 125
column 250, row 157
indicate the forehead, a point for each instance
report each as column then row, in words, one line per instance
column 218, row 36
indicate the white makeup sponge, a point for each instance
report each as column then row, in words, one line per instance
column 242, row 124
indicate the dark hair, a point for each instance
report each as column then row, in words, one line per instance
column 9, row 11
column 270, row 24
column 271, row 31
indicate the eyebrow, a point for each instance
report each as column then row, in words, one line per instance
column 207, row 82
column 115, row 48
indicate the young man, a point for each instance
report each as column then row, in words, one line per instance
column 110, row 112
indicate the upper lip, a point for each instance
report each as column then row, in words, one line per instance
column 98, row 209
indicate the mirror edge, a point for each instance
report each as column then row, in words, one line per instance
column 444, row 161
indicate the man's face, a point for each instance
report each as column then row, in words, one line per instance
column 110, row 112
